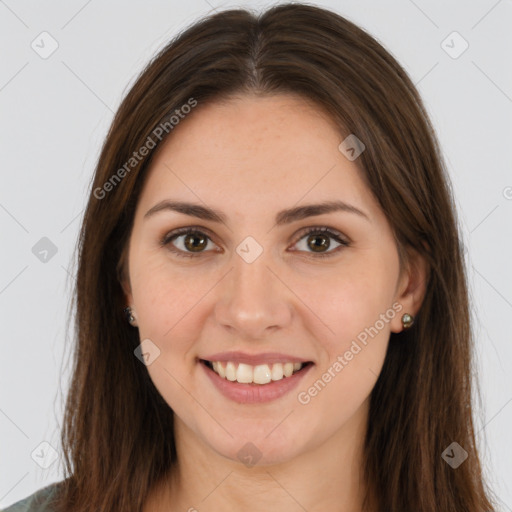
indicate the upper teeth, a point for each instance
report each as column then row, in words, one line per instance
column 260, row 374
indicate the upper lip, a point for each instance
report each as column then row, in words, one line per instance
column 254, row 359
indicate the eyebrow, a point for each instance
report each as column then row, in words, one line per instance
column 283, row 217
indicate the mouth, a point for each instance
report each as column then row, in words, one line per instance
column 256, row 375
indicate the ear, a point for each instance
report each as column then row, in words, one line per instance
column 411, row 288
column 124, row 278
column 127, row 290
column 125, row 284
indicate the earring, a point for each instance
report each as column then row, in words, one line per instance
column 407, row 320
column 129, row 315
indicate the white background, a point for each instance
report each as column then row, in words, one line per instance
column 55, row 113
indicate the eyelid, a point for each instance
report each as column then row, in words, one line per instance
column 333, row 233
column 324, row 229
column 174, row 233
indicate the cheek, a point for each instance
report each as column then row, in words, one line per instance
column 345, row 379
column 357, row 308
column 162, row 294
column 352, row 302
column 168, row 309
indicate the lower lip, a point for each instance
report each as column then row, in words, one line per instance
column 255, row 393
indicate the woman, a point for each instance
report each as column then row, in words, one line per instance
column 272, row 307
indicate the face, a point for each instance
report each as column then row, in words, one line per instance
column 255, row 286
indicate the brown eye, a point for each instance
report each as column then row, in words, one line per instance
column 192, row 241
column 318, row 240
column 195, row 242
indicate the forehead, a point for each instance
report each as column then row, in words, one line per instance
column 247, row 149
column 278, row 125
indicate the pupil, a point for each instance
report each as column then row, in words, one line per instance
column 325, row 243
column 192, row 246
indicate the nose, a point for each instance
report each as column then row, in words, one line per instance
column 253, row 301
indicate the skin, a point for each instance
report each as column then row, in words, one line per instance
column 229, row 156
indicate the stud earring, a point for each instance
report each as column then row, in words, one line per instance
column 129, row 315
column 407, row 320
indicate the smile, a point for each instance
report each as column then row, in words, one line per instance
column 248, row 390
column 258, row 374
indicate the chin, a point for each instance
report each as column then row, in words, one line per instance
column 260, row 449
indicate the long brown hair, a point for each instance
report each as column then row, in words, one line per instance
column 117, row 435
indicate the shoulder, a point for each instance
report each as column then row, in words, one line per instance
column 39, row 501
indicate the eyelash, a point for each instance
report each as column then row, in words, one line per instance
column 166, row 240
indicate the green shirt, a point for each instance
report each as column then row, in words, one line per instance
column 36, row 502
